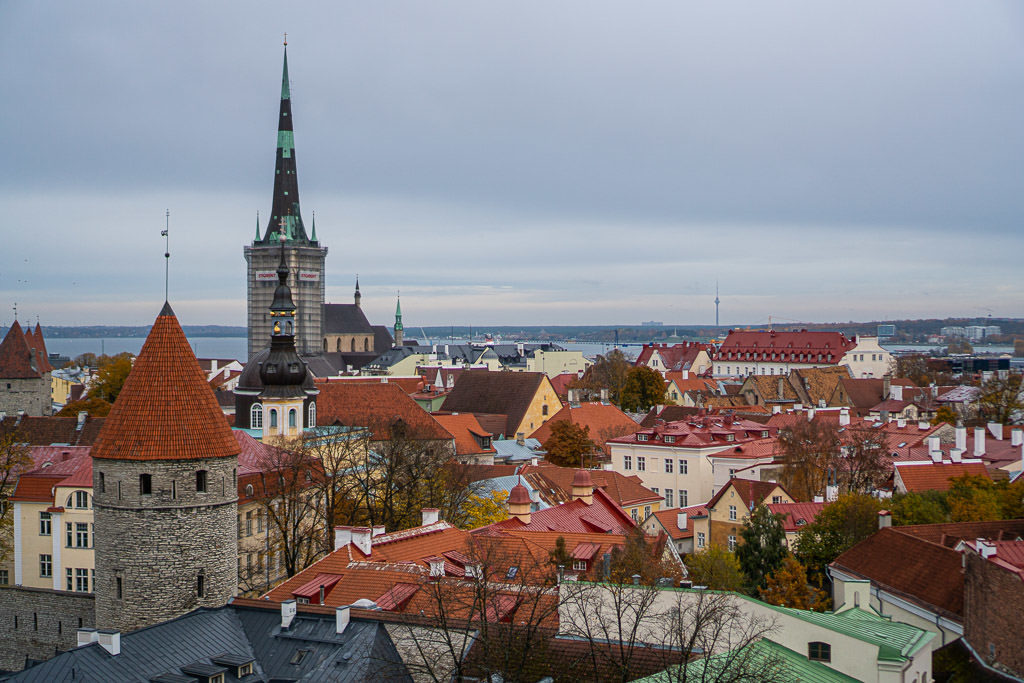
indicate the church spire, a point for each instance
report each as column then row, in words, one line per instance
column 399, row 327
column 285, row 215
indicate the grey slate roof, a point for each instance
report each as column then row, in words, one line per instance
column 345, row 319
column 363, row 652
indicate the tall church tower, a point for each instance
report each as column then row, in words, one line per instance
column 399, row 327
column 304, row 255
column 165, row 469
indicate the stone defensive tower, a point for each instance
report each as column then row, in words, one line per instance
column 165, row 490
column 304, row 255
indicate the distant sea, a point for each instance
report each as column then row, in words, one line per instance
column 235, row 347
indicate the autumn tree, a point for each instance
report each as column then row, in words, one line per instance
column 763, row 548
column 113, row 371
column 809, row 451
column 1001, row 399
column 15, row 458
column 569, row 445
column 861, row 464
column 96, row 407
column 643, row 556
column 945, row 414
column 788, row 586
column 715, row 568
column 924, row 507
column 837, row 528
column 973, row 498
column 644, row 387
column 484, row 508
column 959, row 345
column 608, row 372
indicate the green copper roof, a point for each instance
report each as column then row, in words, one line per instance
column 398, row 313
column 761, row 655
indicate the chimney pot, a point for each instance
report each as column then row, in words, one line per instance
column 996, row 429
column 361, row 539
column 961, row 437
column 979, row 441
column 288, row 610
column 681, row 520
column 956, row 455
column 341, row 617
column 884, row 519
column 342, row 536
column 923, row 425
column 430, row 515
column 901, row 422
column 1016, row 437
column 844, row 417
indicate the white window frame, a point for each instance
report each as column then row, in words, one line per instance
column 256, row 416
column 732, row 513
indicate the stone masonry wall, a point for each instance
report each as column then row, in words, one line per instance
column 307, row 295
column 992, row 614
column 30, row 395
column 38, row 622
column 159, row 544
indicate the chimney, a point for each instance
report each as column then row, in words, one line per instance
column 776, row 409
column 361, row 539
column 798, row 407
column 534, row 461
column 83, row 415
column 436, row 566
column 961, row 437
column 996, row 430
column 583, row 487
column 780, row 387
column 935, row 448
column 896, row 392
column 342, row 536
column 985, row 549
column 979, row 441
column 884, row 415
column 1016, row 437
column 884, row 519
column 819, row 499
column 686, row 374
column 87, row 635
column 288, row 611
column 378, row 530
column 923, row 425
column 886, row 387
column 956, row 455
column 521, row 438
column 604, row 396
column 341, row 616
column 430, row 515
column 901, row 422
column 681, row 521
column 810, row 414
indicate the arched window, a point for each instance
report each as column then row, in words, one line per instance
column 273, row 418
column 312, row 415
column 325, row 344
column 288, row 327
column 248, row 490
column 339, row 344
column 291, row 418
column 201, row 481
column 256, row 416
column 145, row 484
column 78, row 500
column 366, row 344
column 353, row 343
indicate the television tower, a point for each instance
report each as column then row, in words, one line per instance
column 716, row 304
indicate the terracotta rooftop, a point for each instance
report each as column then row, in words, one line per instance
column 936, row 476
column 377, row 406
column 166, row 410
column 409, row 385
column 46, row 431
column 505, row 393
column 675, row 356
column 701, row 431
column 16, row 360
column 466, row 430
column 35, row 341
column 669, row 519
column 38, row 484
column 603, row 515
column 604, row 420
column 796, row 515
column 752, row 492
column 786, row 347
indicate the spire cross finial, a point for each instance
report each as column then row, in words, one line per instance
column 166, row 234
column 286, row 39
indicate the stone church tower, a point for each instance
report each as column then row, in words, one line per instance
column 305, row 257
column 165, row 490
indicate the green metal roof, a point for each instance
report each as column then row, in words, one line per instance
column 758, row 656
column 895, row 641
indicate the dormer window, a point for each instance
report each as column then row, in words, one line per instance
column 641, row 437
column 669, row 438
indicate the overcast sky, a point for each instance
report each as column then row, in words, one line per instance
column 520, row 162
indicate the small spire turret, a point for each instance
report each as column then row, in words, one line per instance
column 399, row 328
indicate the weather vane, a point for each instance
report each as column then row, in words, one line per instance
column 166, row 234
column 286, row 39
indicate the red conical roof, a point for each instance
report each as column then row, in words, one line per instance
column 15, row 356
column 44, row 357
column 519, row 495
column 166, row 409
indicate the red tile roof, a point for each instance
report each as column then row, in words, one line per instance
column 785, row 347
column 675, row 356
column 465, row 429
column 700, row 431
column 750, row 491
column 936, row 476
column 166, row 410
column 555, row 484
column 409, row 385
column 35, row 341
column 16, row 357
column 604, row 420
column 669, row 518
column 574, row 516
column 38, row 485
column 561, row 383
column 796, row 515
column 376, row 406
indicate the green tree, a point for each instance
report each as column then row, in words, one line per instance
column 569, row 445
column 973, row 498
column 113, row 371
column 788, row 587
column 1011, row 498
column 560, row 557
column 762, row 550
column 837, row 528
column 925, row 507
column 644, row 387
column 716, row 568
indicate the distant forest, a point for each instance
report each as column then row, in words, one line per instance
column 907, row 331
